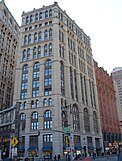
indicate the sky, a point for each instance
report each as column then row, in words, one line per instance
column 99, row 19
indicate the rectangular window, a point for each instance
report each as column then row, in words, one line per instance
column 36, row 74
column 24, row 95
column 47, row 138
column 35, row 93
column 35, row 84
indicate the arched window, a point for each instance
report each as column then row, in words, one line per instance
column 62, row 78
column 86, row 120
column 24, row 105
column 22, row 121
column 48, row 119
column 48, row 63
column 45, row 50
column 32, row 104
column 39, row 36
column 37, row 103
column 46, row 14
column 31, row 18
column 50, row 13
column 95, row 122
column 24, row 81
column 24, row 55
column 50, row 34
column 76, row 119
column 45, row 103
column 25, row 39
column 39, row 52
column 40, row 15
column 36, row 72
column 25, row 68
column 28, row 54
column 34, row 121
column 35, row 37
column 45, row 35
column 27, row 20
column 50, row 48
column 36, row 65
column 50, row 102
column 36, row 17
column 29, row 39
column 20, row 105
column 34, row 53
column 48, row 78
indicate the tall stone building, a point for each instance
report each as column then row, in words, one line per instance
column 108, row 108
column 55, row 86
column 8, row 49
column 117, row 78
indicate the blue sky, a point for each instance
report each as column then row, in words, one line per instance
column 100, row 19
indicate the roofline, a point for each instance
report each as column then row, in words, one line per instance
column 56, row 4
column 3, row 2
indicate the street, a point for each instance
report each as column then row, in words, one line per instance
column 106, row 158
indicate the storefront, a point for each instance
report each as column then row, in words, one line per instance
column 33, row 152
column 47, row 152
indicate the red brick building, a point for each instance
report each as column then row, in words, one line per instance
column 107, row 104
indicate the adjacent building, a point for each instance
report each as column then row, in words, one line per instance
column 55, row 86
column 117, row 79
column 8, row 49
column 108, row 108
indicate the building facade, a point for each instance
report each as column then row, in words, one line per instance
column 117, row 79
column 8, row 49
column 108, row 108
column 55, row 86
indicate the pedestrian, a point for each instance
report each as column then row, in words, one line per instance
column 94, row 155
column 26, row 159
column 59, row 157
column 120, row 156
column 54, row 157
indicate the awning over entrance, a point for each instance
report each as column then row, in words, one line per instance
column 90, row 147
column 32, row 148
column 98, row 147
column 21, row 149
column 47, row 148
column 78, row 147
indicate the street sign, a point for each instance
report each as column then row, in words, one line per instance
column 14, row 141
column 14, row 151
column 67, row 130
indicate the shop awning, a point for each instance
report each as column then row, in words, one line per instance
column 32, row 148
column 21, row 149
column 90, row 147
column 47, row 148
column 78, row 147
column 98, row 147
